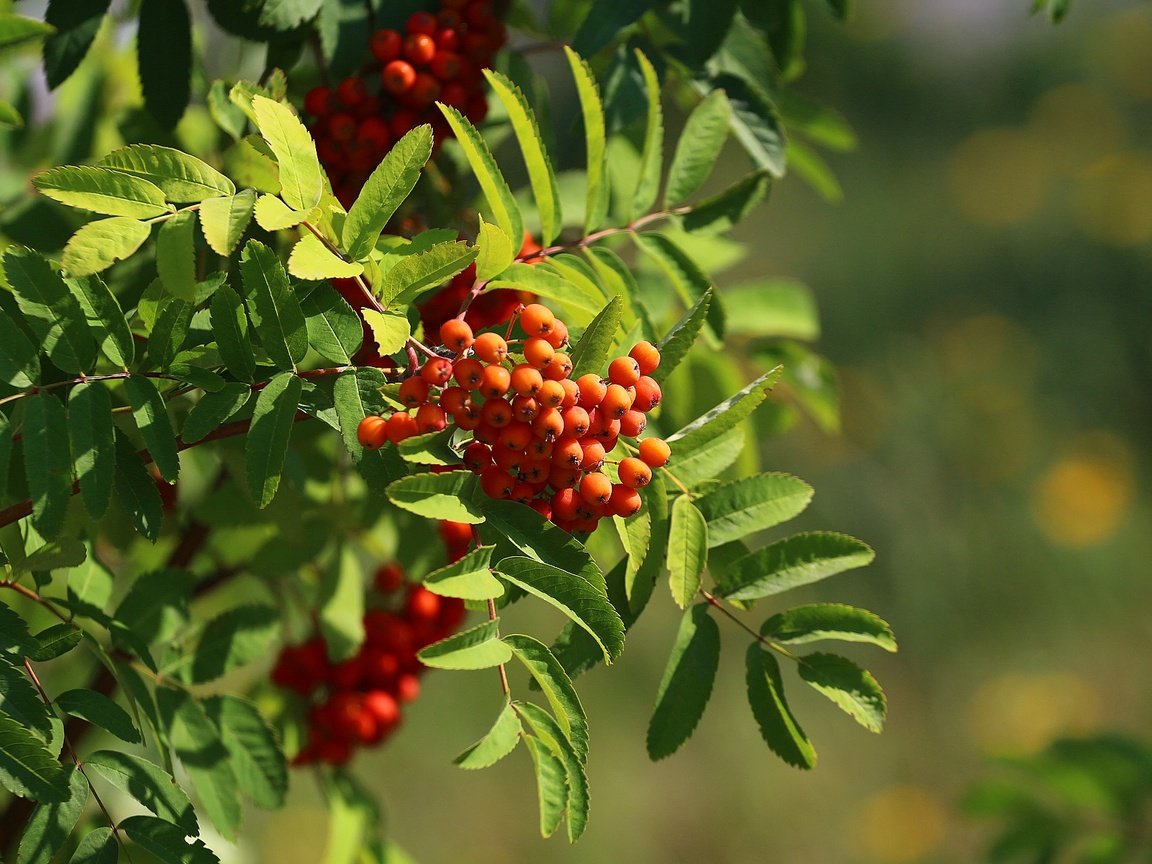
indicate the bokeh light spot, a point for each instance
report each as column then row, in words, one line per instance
column 1022, row 714
column 1000, row 177
column 898, row 824
column 1114, row 200
column 1082, row 499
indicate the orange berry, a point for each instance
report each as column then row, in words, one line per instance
column 625, row 502
column 537, row 352
column 559, row 334
column 560, row 367
column 516, row 436
column 467, row 418
column 654, row 452
column 592, row 390
column 526, row 381
column 562, row 477
column 549, row 424
column 564, row 503
column 490, row 347
column 414, row 391
column 431, row 418
column 497, row 413
column 539, row 448
column 567, row 452
column 401, row 425
column 576, row 422
column 535, row 470
column 647, row 356
column 485, row 433
column 624, row 371
column 468, row 373
column 551, row 394
column 437, row 371
column 372, row 432
column 507, row 459
column 456, row 334
column 596, row 489
column 648, row 394
column 634, row 473
column 496, row 482
column 632, row 424
column 477, row 456
column 571, row 392
column 495, row 381
column 453, row 399
column 593, row 455
column 525, row 408
column 616, row 402
column 537, row 320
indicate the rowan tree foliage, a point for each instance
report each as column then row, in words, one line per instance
column 386, row 340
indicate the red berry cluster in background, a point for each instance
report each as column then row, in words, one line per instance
column 357, row 702
column 439, row 57
column 538, row 436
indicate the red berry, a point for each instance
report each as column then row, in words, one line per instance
column 431, row 418
column 633, row 423
column 397, row 78
column 625, row 502
column 318, row 102
column 351, row 92
column 414, row 391
column 537, row 320
column 596, row 489
column 477, row 456
column 468, row 373
column 401, row 425
column 419, row 49
column 389, row 577
column 624, row 371
column 445, row 65
column 386, row 45
column 647, row 356
column 437, row 371
column 372, row 432
column 422, row 22
column 495, row 482
column 425, row 90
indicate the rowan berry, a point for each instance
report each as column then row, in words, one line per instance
column 559, row 334
column 468, row 417
column 526, row 381
column 560, row 367
column 495, row 381
column 549, row 424
column 454, row 94
column 535, row 470
column 408, row 688
column 542, row 507
column 551, row 394
column 562, row 477
column 383, row 707
column 525, row 408
column 495, row 482
column 425, row 90
column 456, row 334
column 414, row 391
column 477, row 456
column 516, row 436
column 594, row 455
column 372, row 432
column 538, row 448
column 490, row 347
column 386, row 45
column 624, row 371
column 351, row 92
column 431, row 418
column 496, row 413
column 571, row 392
column 647, row 356
column 388, row 578
column 419, row 49
column 634, row 473
column 401, row 425
column 342, row 127
column 422, row 22
column 468, row 373
column 567, row 452
column 508, row 460
column 537, row 320
column 576, row 422
column 454, row 399
column 596, row 489
column 445, row 64
column 625, row 502
column 633, row 423
column 397, row 77
column 437, row 371
column 592, row 390
column 654, row 452
column 448, row 36
column 522, row 492
column 616, row 402
column 538, row 352
column 318, row 102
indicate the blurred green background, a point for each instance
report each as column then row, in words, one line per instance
column 984, row 293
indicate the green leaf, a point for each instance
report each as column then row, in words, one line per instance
column 213, row 409
column 433, row 448
column 497, row 743
column 176, row 256
column 604, row 22
column 356, row 394
column 50, row 824
column 334, row 329
column 272, row 214
column 540, row 174
column 687, row 550
column 533, row 535
column 102, row 190
column 342, row 606
column 312, row 260
column 47, row 462
column 414, row 274
column 792, row 562
column 164, row 58
column 494, row 251
column 169, row 332
column 273, row 306
column 501, row 202
column 266, row 444
column 53, row 315
column 20, row 700
column 698, row 149
column 596, row 205
column 557, row 688
column 5, row 452
column 156, row 606
column 477, row 647
column 674, row 347
column 390, row 331
column 257, row 759
column 99, row 846
column 778, row 726
column 99, row 710
column 818, row 621
column 727, row 415
column 301, row 179
column 27, row 767
column 14, row 632
column 230, row 327
column 543, row 281
column 591, row 351
column 9, row 116
column 101, row 243
column 469, row 578
column 721, row 212
column 386, row 189
column 60, row 638
column 16, row 29
column 19, row 359
column 751, row 504
column 652, row 156
column 166, row 841
column 687, row 683
column 205, row 759
column 549, row 731
column 438, row 496
column 92, row 436
column 754, row 123
column 551, row 784
column 775, row 307
column 850, row 688
column 581, row 601
column 184, row 179
column 690, row 282
column 106, row 319
column 151, row 416
column 224, row 220
column 234, row 639
column 136, row 490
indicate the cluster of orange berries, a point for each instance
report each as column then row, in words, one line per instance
column 439, row 57
column 538, row 436
column 358, row 702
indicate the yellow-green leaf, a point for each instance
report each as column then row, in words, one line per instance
column 102, row 190
column 301, row 178
column 311, row 259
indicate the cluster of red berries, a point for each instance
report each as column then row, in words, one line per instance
column 357, row 702
column 538, row 436
column 439, row 57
